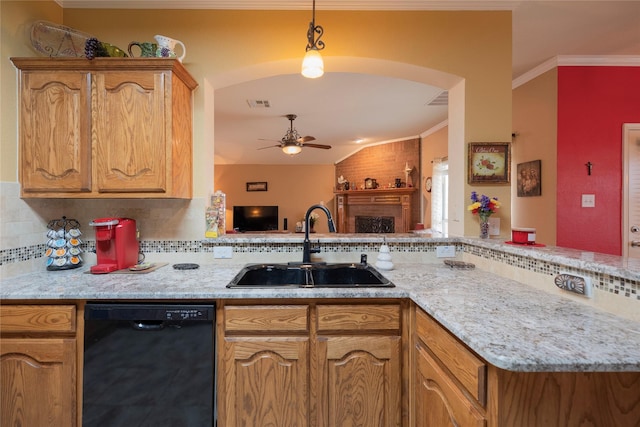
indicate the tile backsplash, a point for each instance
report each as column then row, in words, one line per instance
column 24, row 221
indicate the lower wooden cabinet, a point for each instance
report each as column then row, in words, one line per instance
column 439, row 402
column 266, row 382
column 454, row 387
column 359, row 369
column 263, row 369
column 38, row 363
column 450, row 381
column 310, row 365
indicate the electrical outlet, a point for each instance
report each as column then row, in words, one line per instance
column 588, row 200
column 222, row 252
column 445, row 251
column 574, row 283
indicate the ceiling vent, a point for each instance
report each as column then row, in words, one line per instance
column 442, row 99
column 258, row 103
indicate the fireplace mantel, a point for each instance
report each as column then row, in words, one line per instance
column 394, row 201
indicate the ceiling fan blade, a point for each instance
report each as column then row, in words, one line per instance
column 305, row 138
column 269, row 146
column 324, row 147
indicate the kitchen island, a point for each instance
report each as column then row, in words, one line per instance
column 514, row 333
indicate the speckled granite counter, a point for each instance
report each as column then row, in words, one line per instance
column 509, row 324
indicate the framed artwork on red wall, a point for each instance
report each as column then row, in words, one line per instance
column 489, row 163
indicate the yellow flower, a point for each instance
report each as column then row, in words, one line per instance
column 474, row 206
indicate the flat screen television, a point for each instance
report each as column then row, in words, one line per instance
column 255, row 218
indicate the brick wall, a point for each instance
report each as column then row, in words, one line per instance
column 385, row 163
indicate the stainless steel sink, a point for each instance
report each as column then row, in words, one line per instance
column 309, row 275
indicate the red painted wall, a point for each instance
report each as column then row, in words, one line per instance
column 593, row 104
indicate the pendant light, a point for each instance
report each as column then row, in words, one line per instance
column 312, row 65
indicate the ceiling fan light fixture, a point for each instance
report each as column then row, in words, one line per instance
column 291, row 149
column 312, row 64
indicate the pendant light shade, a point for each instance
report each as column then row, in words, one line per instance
column 312, row 64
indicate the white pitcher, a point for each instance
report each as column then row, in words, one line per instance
column 169, row 44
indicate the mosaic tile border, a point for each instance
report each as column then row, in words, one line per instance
column 615, row 285
column 604, row 282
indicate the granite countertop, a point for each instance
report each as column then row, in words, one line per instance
column 509, row 324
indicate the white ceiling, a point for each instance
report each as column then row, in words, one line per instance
column 340, row 107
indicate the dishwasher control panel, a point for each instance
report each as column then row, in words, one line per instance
column 149, row 312
column 187, row 314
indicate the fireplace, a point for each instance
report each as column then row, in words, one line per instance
column 383, row 210
column 375, row 224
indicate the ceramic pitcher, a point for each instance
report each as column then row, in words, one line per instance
column 166, row 47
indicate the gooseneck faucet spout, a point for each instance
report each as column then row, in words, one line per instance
column 306, row 254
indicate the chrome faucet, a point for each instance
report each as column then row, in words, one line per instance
column 307, row 250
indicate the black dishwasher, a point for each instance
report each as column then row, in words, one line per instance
column 149, row 365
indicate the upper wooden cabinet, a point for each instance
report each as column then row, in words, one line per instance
column 105, row 128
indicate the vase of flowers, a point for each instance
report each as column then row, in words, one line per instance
column 483, row 206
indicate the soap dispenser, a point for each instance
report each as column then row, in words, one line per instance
column 384, row 258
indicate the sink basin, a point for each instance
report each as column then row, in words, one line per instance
column 312, row 275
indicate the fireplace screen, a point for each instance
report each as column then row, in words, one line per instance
column 375, row 224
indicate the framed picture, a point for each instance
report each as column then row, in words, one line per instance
column 489, row 163
column 256, row 186
column 529, row 178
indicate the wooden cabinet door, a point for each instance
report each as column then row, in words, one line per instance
column 131, row 129
column 38, row 378
column 55, row 132
column 438, row 400
column 359, row 380
column 264, row 382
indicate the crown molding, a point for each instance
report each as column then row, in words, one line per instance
column 577, row 61
column 293, row 4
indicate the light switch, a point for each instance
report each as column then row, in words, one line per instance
column 588, row 200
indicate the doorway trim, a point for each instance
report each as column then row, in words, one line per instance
column 627, row 129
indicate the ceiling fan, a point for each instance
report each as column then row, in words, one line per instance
column 292, row 143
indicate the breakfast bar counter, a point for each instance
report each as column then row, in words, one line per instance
column 509, row 324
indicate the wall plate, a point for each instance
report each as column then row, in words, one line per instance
column 448, row 251
column 572, row 282
column 222, row 252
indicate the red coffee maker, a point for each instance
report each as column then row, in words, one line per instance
column 117, row 244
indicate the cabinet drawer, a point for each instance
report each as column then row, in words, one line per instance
column 266, row 318
column 358, row 317
column 37, row 318
column 440, row 402
column 464, row 365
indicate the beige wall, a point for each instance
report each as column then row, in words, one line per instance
column 15, row 23
column 292, row 188
column 535, row 124
column 433, row 146
column 475, row 46
column 440, row 48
